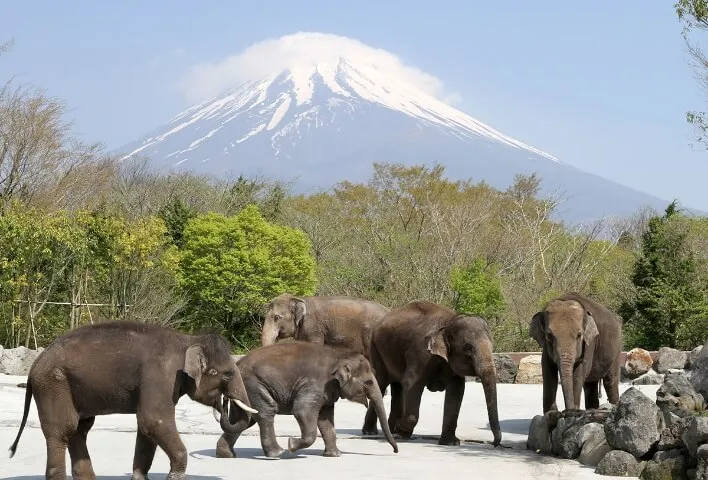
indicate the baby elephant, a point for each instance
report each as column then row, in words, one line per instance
column 305, row 380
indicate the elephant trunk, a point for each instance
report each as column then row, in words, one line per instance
column 269, row 333
column 375, row 396
column 487, row 374
column 566, row 378
column 235, row 393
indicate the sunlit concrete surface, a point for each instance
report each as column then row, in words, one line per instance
column 111, row 443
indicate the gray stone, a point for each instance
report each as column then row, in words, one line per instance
column 18, row 361
column 619, row 463
column 666, row 465
column 593, row 443
column 529, row 370
column 671, row 437
column 539, row 437
column 695, row 434
column 677, row 395
column 567, row 437
column 649, row 378
column 691, row 474
column 668, row 358
column 692, row 356
column 506, row 368
column 699, row 372
column 637, row 362
column 702, row 464
column 637, row 424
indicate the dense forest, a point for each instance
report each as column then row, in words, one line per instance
column 85, row 237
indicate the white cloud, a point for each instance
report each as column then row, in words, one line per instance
column 208, row 79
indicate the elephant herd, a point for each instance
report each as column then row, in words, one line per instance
column 334, row 347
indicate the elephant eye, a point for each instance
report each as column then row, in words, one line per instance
column 277, row 317
column 369, row 383
column 212, row 371
column 468, row 347
column 228, row 374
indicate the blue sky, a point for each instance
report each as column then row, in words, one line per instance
column 601, row 85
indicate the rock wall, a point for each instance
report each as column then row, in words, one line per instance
column 17, row 361
column 666, row 438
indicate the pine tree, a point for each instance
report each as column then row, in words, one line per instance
column 669, row 296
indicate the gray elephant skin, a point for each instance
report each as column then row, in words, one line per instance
column 305, row 380
column 425, row 345
column 127, row 367
column 582, row 341
column 339, row 321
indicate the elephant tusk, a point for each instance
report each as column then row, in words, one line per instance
column 244, row 406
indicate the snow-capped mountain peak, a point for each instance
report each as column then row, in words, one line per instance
column 310, row 95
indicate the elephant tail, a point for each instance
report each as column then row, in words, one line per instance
column 28, row 400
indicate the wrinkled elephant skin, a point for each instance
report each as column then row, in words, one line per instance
column 424, row 345
column 582, row 341
column 127, row 367
column 305, row 380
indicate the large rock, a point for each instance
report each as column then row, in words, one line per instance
column 695, row 434
column 637, row 424
column 692, row 356
column 676, row 395
column 672, row 436
column 619, row 463
column 699, row 372
column 702, row 463
column 637, row 363
column 668, row 358
column 666, row 465
column 593, row 444
column 506, row 368
column 539, row 437
column 529, row 370
column 18, row 361
column 567, row 439
column 649, row 378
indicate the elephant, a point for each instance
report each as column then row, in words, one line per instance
column 582, row 340
column 338, row 321
column 424, row 345
column 130, row 368
column 303, row 379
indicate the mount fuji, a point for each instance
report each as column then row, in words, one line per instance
column 321, row 109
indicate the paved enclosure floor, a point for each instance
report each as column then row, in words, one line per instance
column 112, row 440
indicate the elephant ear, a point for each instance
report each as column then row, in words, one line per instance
column 537, row 329
column 590, row 332
column 436, row 343
column 343, row 373
column 195, row 363
column 299, row 311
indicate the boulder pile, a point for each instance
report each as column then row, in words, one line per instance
column 662, row 439
column 17, row 361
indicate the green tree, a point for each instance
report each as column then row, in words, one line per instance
column 176, row 214
column 477, row 290
column 231, row 266
column 669, row 307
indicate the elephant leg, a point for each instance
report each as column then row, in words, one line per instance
column 592, row 399
column 268, row 441
column 412, row 393
column 307, row 419
column 59, row 421
column 162, row 429
column 225, row 444
column 396, row 405
column 453, row 401
column 325, row 423
column 371, row 419
column 611, row 383
column 81, row 467
column 145, row 448
column 549, row 371
column 56, row 458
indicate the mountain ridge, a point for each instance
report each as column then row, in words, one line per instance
column 328, row 120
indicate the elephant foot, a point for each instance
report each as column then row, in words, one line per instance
column 332, row 453
column 138, row 475
column 369, row 431
column 177, row 476
column 225, row 452
column 274, row 452
column 449, row 440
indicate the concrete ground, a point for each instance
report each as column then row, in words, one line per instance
column 112, row 439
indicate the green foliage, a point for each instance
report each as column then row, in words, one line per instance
column 231, row 266
column 477, row 290
column 669, row 307
column 176, row 215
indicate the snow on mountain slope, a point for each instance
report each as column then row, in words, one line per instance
column 320, row 109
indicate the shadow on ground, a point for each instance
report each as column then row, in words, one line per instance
column 514, row 425
column 257, row 454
